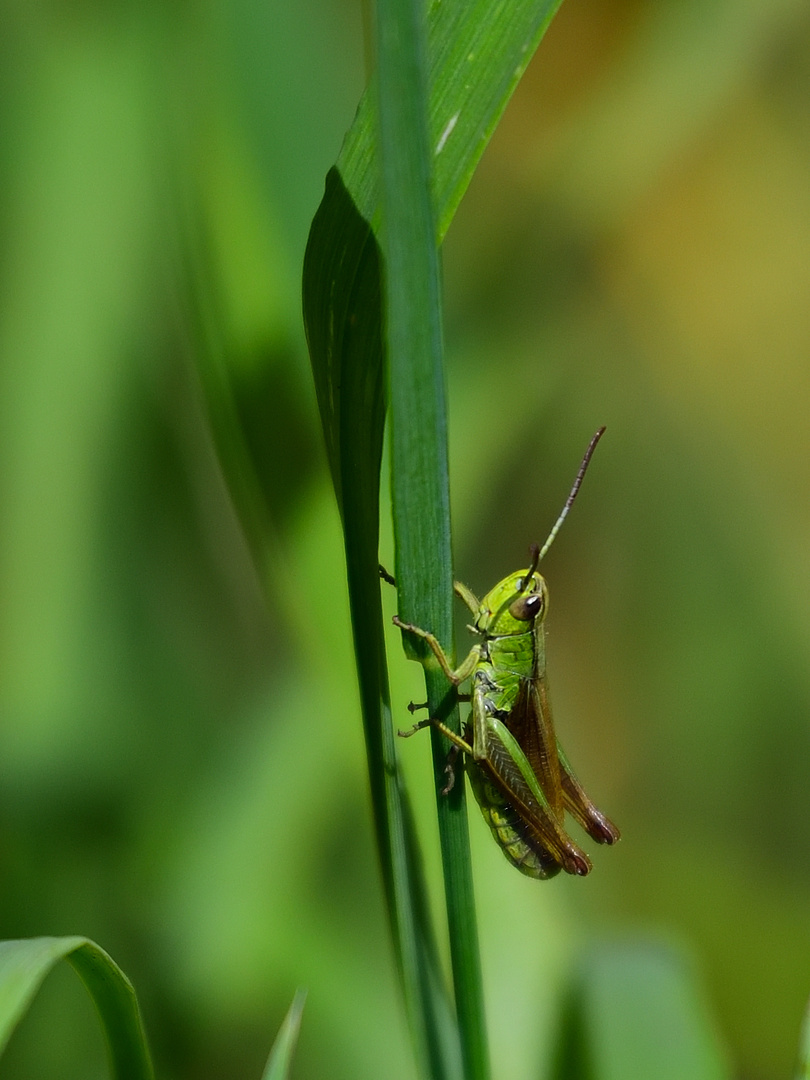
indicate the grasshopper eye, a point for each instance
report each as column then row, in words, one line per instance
column 526, row 608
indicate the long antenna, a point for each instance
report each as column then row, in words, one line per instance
column 569, row 501
column 534, row 551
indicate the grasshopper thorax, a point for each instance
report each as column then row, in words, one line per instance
column 514, row 606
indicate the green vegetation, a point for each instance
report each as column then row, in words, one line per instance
column 184, row 777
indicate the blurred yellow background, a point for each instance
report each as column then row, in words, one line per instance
column 181, row 761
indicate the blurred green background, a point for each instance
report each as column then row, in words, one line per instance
column 181, row 761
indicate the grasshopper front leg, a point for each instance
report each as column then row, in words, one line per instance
column 462, row 672
column 467, row 595
column 459, row 588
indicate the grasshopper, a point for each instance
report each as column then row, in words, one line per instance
column 520, row 775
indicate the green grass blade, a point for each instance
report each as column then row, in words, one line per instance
column 280, row 1060
column 803, row 1064
column 342, row 313
column 24, row 965
column 476, row 53
column 637, row 1012
column 420, row 488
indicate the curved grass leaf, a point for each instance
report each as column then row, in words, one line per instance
column 420, row 487
column 278, row 1064
column 636, row 1012
column 342, row 281
column 23, row 966
column 476, row 53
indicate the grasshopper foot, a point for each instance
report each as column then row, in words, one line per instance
column 414, row 729
column 413, row 707
column 386, row 576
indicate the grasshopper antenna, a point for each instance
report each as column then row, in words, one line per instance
column 534, row 551
column 570, row 500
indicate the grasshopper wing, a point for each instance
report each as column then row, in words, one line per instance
column 532, row 725
column 592, row 820
column 509, row 771
column 533, row 728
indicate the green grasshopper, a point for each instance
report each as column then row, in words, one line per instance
column 520, row 777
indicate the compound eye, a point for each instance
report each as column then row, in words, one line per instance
column 526, row 608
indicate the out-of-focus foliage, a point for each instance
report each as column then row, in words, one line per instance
column 633, row 1012
column 25, row 963
column 181, row 772
column 280, row 1060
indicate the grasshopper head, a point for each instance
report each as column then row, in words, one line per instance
column 514, row 605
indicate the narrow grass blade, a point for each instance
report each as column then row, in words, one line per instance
column 477, row 52
column 803, row 1064
column 342, row 290
column 278, row 1064
column 635, row 1012
column 24, row 965
column 475, row 55
column 419, row 483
